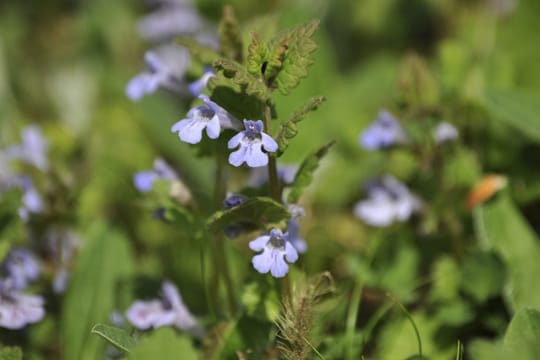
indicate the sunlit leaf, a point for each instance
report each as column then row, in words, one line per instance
column 164, row 343
column 260, row 211
column 239, row 75
column 116, row 336
column 10, row 353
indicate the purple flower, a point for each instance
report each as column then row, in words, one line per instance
column 209, row 116
column 293, row 229
column 31, row 200
column 22, row 267
column 144, row 180
column 18, row 309
column 388, row 201
column 275, row 248
column 252, row 140
column 384, row 132
column 196, row 87
column 169, row 311
column 33, row 148
column 445, row 132
column 166, row 68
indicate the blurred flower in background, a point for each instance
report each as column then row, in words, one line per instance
column 384, row 132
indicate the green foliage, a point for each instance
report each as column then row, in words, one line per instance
column 482, row 276
column 283, row 61
column 116, row 336
column 259, row 211
column 164, row 343
column 416, row 84
column 521, row 341
column 516, row 109
column 105, row 262
column 249, row 84
column 304, row 175
column 507, row 232
column 288, row 129
column 261, row 301
column 230, row 37
column 291, row 52
column 10, row 353
column 231, row 96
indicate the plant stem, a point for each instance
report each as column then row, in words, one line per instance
column 273, row 180
column 221, row 261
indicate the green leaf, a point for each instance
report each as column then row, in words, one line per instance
column 482, row 276
column 261, row 301
column 517, row 109
column 505, row 230
column 203, row 53
column 416, row 84
column 231, row 96
column 290, row 55
column 288, row 129
column 164, row 344
column 304, row 175
column 230, row 37
column 116, row 336
column 257, row 55
column 10, row 353
column 260, row 211
column 239, row 75
column 245, row 335
column 104, row 263
column 522, row 338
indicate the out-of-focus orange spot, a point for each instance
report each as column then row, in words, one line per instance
column 485, row 188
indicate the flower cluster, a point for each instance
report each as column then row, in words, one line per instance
column 170, row 310
column 31, row 151
column 388, row 201
column 168, row 64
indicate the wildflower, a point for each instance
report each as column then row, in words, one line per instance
column 388, row 201
column 210, row 116
column 259, row 176
column 252, row 140
column 22, row 267
column 144, row 180
column 445, row 132
column 165, row 70
column 169, row 311
column 384, row 132
column 32, row 149
column 18, row 309
column 31, row 200
column 196, row 87
column 170, row 19
column 276, row 248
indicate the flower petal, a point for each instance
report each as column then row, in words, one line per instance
column 268, row 143
column 259, row 243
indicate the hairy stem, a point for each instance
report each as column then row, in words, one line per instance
column 273, row 180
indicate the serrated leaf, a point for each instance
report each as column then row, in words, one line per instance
column 257, row 55
column 230, row 96
column 260, row 211
column 239, row 75
column 516, row 109
column 290, row 55
column 116, row 336
column 104, row 262
column 230, row 37
column 10, row 353
column 304, row 175
column 164, row 343
column 202, row 53
column 288, row 129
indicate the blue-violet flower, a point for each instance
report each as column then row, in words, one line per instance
column 445, row 132
column 388, row 200
column 384, row 132
column 275, row 248
column 18, row 309
column 252, row 140
column 209, row 116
